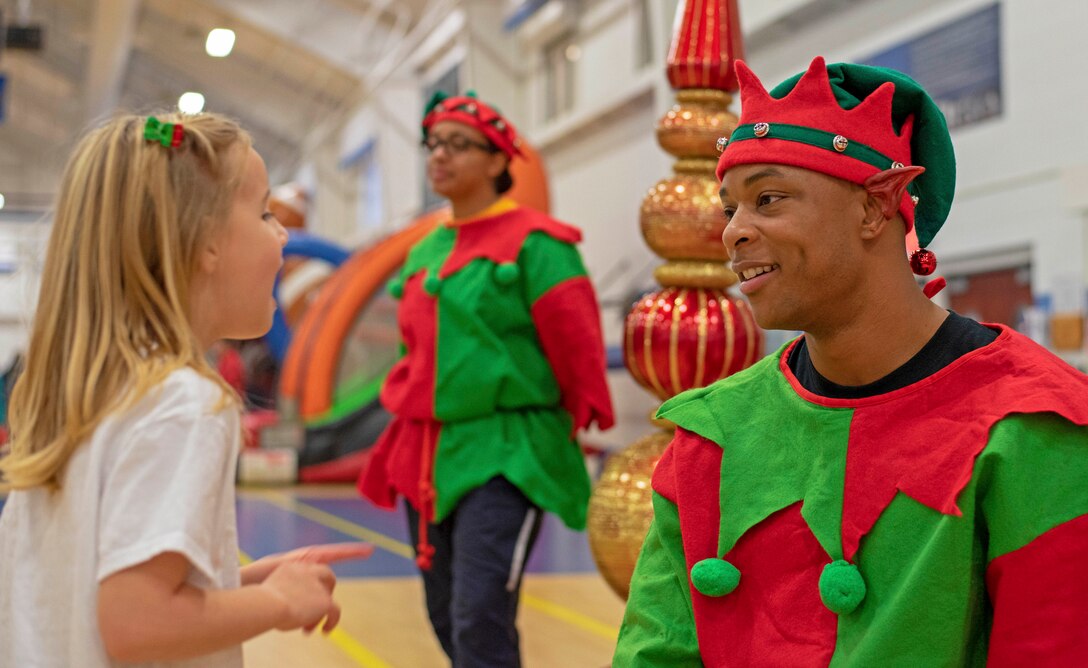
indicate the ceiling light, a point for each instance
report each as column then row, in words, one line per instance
column 191, row 103
column 2, row 201
column 220, row 42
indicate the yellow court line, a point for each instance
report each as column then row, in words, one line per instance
column 571, row 617
column 560, row 612
column 344, row 642
column 338, row 523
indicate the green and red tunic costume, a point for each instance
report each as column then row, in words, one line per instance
column 962, row 501
column 503, row 362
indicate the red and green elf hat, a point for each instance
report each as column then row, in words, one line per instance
column 470, row 111
column 849, row 121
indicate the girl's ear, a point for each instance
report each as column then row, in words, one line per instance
column 208, row 254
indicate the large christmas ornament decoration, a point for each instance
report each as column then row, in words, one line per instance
column 677, row 339
column 691, row 332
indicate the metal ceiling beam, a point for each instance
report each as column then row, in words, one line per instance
column 111, row 43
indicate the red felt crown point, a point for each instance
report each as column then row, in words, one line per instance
column 706, row 44
column 812, row 104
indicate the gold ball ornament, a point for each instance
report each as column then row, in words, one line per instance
column 620, row 509
column 681, row 217
column 692, row 127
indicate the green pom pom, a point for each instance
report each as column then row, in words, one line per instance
column 842, row 588
column 396, row 288
column 714, row 577
column 432, row 285
column 507, row 272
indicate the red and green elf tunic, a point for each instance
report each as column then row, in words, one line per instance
column 941, row 524
column 503, row 362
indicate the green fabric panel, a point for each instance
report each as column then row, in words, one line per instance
column 489, row 356
column 658, row 628
column 1036, row 470
column 806, row 450
column 546, row 262
column 430, row 252
column 533, row 449
column 924, row 574
column 926, row 571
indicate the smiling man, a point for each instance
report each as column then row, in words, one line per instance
column 900, row 486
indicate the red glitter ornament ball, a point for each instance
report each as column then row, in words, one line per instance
column 923, row 262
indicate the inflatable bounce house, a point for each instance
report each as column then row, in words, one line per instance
column 335, row 333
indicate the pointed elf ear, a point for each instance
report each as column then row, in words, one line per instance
column 890, row 186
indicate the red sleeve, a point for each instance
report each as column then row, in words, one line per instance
column 569, row 326
column 1040, row 600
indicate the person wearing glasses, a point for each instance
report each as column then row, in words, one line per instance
column 502, row 364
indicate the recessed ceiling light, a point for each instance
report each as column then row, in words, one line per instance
column 191, row 103
column 220, row 42
column 3, row 201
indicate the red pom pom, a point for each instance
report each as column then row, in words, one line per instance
column 923, row 262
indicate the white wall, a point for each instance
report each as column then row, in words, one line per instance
column 22, row 240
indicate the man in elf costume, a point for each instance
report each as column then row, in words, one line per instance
column 503, row 362
column 900, row 486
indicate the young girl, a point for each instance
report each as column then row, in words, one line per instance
column 118, row 542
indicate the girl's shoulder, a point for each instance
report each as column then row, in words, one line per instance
column 184, row 392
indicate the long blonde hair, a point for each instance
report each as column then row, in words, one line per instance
column 112, row 319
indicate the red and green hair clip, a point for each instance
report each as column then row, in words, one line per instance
column 167, row 134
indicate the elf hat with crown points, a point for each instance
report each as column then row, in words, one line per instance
column 468, row 110
column 849, row 121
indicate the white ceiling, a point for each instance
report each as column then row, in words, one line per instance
column 296, row 64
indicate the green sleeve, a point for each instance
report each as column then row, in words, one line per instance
column 658, row 626
column 1032, row 478
column 547, row 262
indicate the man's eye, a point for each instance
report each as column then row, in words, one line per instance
column 768, row 199
column 458, row 143
column 728, row 212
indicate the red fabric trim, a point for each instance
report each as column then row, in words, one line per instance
column 396, row 463
column 500, row 238
column 569, row 326
column 941, row 424
column 1040, row 600
column 408, row 390
column 776, row 610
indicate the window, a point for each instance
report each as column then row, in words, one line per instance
column 560, row 58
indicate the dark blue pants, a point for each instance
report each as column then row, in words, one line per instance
column 472, row 587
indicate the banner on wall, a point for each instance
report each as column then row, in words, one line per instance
column 959, row 64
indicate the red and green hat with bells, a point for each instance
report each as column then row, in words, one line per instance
column 468, row 110
column 851, row 122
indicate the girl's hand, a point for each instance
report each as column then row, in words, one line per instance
column 305, row 591
column 259, row 570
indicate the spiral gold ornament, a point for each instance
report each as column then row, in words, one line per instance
column 620, row 509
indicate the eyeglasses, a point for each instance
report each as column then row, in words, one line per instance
column 455, row 144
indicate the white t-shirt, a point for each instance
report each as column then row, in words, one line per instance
column 159, row 478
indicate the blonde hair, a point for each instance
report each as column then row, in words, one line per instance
column 112, row 319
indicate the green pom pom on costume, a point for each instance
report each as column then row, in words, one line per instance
column 507, row 272
column 842, row 588
column 432, row 285
column 396, row 288
column 714, row 577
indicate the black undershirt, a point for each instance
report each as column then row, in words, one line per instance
column 956, row 337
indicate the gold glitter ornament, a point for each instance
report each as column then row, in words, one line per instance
column 620, row 509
